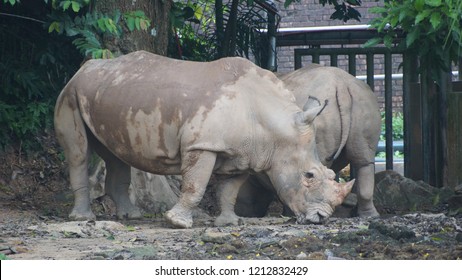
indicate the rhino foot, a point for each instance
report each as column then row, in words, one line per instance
column 228, row 219
column 80, row 215
column 179, row 218
column 369, row 212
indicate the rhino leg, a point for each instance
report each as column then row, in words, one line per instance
column 197, row 167
column 71, row 134
column 117, row 181
column 117, row 184
column 365, row 190
column 227, row 195
column 78, row 173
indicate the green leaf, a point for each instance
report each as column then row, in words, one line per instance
column 101, row 24
column 433, row 3
column 372, row 42
column 394, row 21
column 75, row 6
column 71, row 31
column 110, row 25
column 66, row 5
column 199, row 12
column 435, row 19
column 388, row 41
column 421, row 16
column 137, row 23
column 412, row 36
column 419, row 4
column 378, row 10
column 131, row 23
column 54, row 26
column 403, row 14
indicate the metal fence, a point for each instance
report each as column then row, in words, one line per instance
column 431, row 151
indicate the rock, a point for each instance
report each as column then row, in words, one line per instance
column 458, row 189
column 150, row 192
column 459, row 237
column 78, row 229
column 330, row 255
column 395, row 232
column 154, row 194
column 213, row 236
column 318, row 255
column 292, row 233
column 397, row 194
column 301, row 256
column 455, row 205
column 226, row 249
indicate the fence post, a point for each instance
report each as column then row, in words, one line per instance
column 370, row 69
column 297, row 59
column 388, row 112
column 352, row 63
column 334, row 60
column 413, row 161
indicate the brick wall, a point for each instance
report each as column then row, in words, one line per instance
column 309, row 13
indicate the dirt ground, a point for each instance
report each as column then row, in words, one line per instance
column 34, row 203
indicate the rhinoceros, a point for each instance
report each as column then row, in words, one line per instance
column 347, row 131
column 164, row 116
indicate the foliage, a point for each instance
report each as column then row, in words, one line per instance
column 397, row 124
column 396, row 154
column 12, row 2
column 196, row 36
column 344, row 9
column 432, row 30
column 40, row 43
column 89, row 27
column 397, row 133
column 190, row 22
column 201, row 27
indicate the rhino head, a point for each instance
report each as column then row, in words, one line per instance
column 301, row 181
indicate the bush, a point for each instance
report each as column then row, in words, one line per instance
column 34, row 67
column 398, row 126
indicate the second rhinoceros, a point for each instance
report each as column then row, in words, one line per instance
column 164, row 116
column 347, row 131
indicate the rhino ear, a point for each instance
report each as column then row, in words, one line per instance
column 311, row 103
column 308, row 115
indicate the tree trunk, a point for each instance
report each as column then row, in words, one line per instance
column 220, row 30
column 154, row 40
column 152, row 193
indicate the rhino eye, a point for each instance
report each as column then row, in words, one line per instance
column 309, row 175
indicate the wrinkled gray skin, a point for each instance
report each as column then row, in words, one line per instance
column 347, row 131
column 165, row 116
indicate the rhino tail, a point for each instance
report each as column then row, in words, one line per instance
column 345, row 107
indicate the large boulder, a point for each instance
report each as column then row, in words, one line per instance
column 154, row 194
column 397, row 194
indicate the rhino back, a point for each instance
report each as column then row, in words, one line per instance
column 351, row 104
column 147, row 109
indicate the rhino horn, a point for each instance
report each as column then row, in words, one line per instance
column 344, row 190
